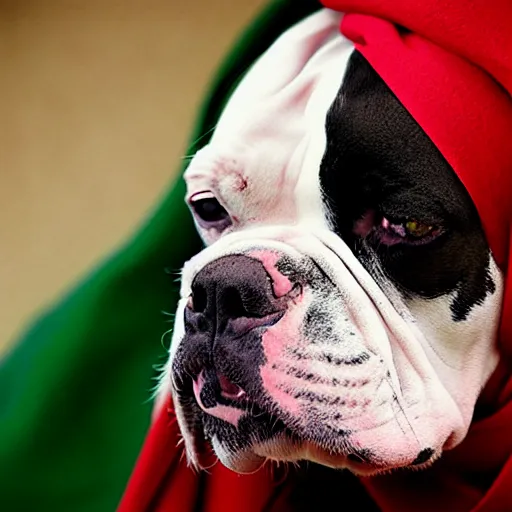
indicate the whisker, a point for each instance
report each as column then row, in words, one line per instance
column 201, row 137
column 162, row 339
column 402, row 410
column 170, row 271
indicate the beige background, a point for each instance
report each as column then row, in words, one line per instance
column 96, row 101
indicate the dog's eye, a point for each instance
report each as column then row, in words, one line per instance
column 410, row 231
column 381, row 230
column 209, row 211
column 418, row 229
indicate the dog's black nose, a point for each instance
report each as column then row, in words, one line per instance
column 230, row 288
column 231, row 305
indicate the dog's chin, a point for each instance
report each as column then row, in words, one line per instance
column 244, row 462
column 251, row 436
column 284, row 448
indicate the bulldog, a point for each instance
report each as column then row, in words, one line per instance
column 346, row 305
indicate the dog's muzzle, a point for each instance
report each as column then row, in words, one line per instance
column 279, row 361
column 233, row 302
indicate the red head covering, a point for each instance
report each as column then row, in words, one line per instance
column 450, row 64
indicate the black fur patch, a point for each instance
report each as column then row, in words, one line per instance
column 378, row 159
column 423, row 457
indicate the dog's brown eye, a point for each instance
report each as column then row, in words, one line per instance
column 208, row 210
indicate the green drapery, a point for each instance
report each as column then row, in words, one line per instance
column 74, row 393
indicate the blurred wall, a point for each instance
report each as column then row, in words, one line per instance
column 97, row 98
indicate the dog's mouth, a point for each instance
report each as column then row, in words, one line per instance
column 222, row 401
column 245, row 432
column 226, row 422
column 213, row 390
column 238, row 424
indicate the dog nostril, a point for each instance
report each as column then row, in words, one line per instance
column 198, row 300
column 232, row 302
column 232, row 287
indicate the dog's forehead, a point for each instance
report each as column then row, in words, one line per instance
column 266, row 150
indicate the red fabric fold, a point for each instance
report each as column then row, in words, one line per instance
column 476, row 30
column 162, row 481
column 161, row 470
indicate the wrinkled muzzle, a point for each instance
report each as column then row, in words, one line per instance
column 289, row 354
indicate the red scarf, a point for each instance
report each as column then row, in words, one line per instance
column 450, row 64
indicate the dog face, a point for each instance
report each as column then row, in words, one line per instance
column 345, row 308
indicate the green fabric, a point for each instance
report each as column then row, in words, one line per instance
column 74, row 399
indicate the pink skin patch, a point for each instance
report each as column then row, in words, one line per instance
column 281, row 284
column 386, row 232
column 223, row 412
column 277, row 341
column 364, row 226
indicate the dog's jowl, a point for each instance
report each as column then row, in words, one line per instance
column 345, row 307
